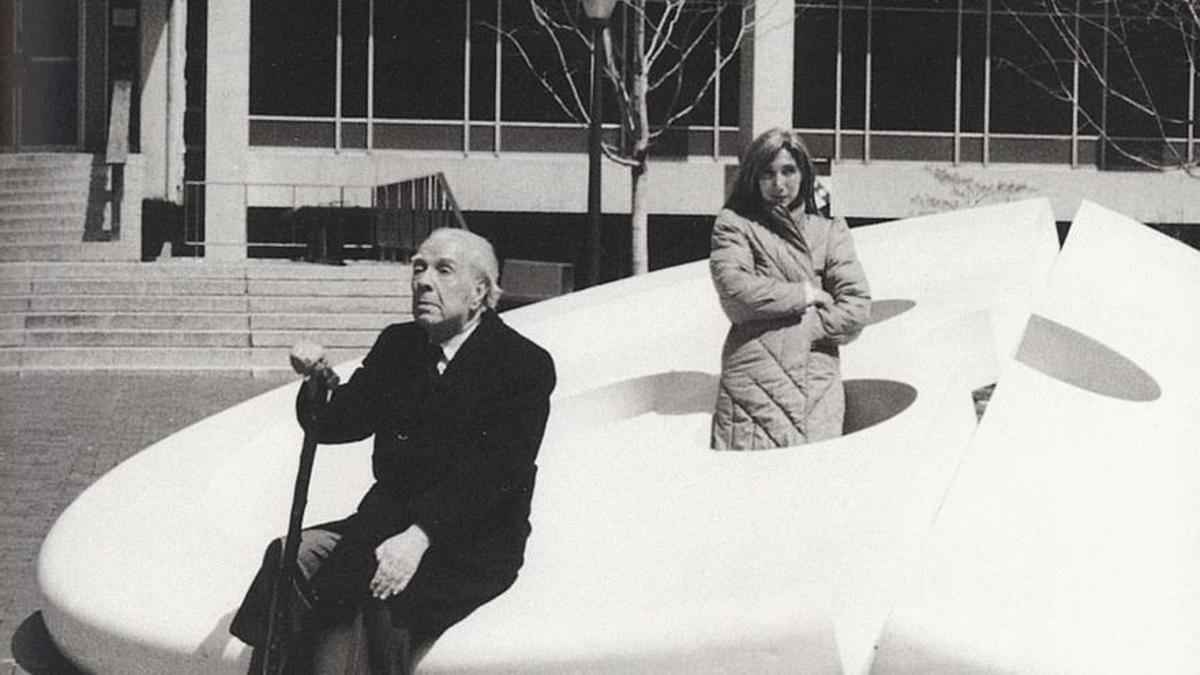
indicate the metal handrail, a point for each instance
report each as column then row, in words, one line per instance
column 404, row 212
column 117, row 151
column 407, row 211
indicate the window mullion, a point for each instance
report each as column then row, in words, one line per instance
column 339, row 45
column 958, row 71
column 370, row 74
column 466, row 138
column 987, row 85
column 837, row 96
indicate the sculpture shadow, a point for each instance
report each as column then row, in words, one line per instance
column 1081, row 361
column 882, row 310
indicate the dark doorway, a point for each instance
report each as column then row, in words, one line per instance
column 39, row 74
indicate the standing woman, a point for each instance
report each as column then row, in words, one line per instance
column 789, row 280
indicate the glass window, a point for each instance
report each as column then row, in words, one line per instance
column 854, row 69
column 1148, row 68
column 913, row 71
column 974, row 41
column 292, row 57
column 530, row 72
column 1031, row 76
column 731, row 27
column 691, row 40
column 814, row 90
column 936, row 5
column 355, row 26
column 50, row 28
column 419, row 59
column 483, row 58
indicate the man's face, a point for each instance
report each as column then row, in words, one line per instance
column 446, row 291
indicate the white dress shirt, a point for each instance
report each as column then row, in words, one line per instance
column 451, row 346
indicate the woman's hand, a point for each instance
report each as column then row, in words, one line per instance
column 817, row 297
column 398, row 558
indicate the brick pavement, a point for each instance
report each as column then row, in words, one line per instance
column 59, row 433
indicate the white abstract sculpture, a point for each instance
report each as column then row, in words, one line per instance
column 651, row 553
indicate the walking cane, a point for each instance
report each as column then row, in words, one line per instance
column 307, row 360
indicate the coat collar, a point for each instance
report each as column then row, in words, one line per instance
column 787, row 224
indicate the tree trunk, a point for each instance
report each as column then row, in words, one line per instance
column 639, row 218
column 641, row 146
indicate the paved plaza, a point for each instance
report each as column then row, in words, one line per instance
column 59, row 433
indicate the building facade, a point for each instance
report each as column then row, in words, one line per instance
column 242, row 106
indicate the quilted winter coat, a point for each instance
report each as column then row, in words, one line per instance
column 780, row 377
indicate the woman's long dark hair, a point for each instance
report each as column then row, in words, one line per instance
column 746, row 198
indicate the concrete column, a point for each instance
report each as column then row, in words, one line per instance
column 767, row 68
column 162, row 100
column 227, row 138
column 176, row 100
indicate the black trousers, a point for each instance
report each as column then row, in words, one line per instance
column 336, row 626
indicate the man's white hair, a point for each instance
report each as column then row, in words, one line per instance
column 479, row 254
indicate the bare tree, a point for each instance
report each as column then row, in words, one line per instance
column 662, row 61
column 1127, row 67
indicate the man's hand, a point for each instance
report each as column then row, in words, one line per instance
column 308, row 359
column 398, row 559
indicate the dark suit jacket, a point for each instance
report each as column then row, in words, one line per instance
column 455, row 453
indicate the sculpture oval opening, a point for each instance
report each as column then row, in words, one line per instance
column 871, row 401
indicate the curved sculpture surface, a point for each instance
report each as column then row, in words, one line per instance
column 1070, row 538
column 651, row 553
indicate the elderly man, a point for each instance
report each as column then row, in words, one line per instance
column 457, row 402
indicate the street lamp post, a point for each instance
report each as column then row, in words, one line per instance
column 598, row 13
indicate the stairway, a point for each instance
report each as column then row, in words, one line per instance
column 191, row 315
column 52, row 207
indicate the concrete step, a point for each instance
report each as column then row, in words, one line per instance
column 338, row 321
column 329, row 338
column 191, row 315
column 78, row 182
column 139, row 287
column 123, row 270
column 74, row 223
column 82, row 251
column 81, row 177
column 157, row 358
column 132, row 321
column 57, row 304
column 327, row 287
column 394, row 306
column 28, row 159
column 57, row 236
column 276, row 358
column 126, row 358
column 15, row 287
column 47, row 191
column 370, row 271
column 178, row 268
column 43, row 207
column 136, row 338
